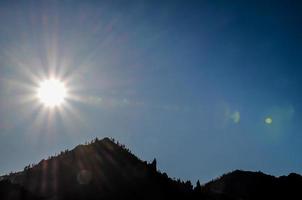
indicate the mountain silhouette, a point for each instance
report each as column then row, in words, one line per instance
column 102, row 169
column 254, row 185
column 105, row 169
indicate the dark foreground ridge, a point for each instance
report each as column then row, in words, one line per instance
column 104, row 169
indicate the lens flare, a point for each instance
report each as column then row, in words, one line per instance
column 268, row 120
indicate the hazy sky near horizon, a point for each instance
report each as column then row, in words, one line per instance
column 206, row 87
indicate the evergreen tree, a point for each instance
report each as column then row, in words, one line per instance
column 197, row 187
column 154, row 164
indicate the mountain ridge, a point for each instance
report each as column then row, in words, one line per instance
column 97, row 170
column 240, row 184
column 106, row 169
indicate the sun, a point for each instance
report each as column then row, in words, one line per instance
column 52, row 92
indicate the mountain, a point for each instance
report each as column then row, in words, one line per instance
column 102, row 169
column 254, row 185
column 105, row 169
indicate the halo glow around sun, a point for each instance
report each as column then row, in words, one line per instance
column 52, row 92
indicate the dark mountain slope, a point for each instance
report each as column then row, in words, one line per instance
column 254, row 185
column 100, row 170
column 107, row 170
column 11, row 191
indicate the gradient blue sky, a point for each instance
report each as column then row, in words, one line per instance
column 187, row 82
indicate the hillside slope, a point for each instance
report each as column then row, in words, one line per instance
column 105, row 169
column 102, row 169
column 254, row 185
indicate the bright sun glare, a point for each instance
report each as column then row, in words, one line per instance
column 52, row 92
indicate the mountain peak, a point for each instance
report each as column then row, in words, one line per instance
column 106, row 169
column 97, row 170
column 254, row 185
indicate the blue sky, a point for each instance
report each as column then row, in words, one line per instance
column 190, row 83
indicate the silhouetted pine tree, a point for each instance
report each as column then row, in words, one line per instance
column 154, row 165
column 197, row 188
